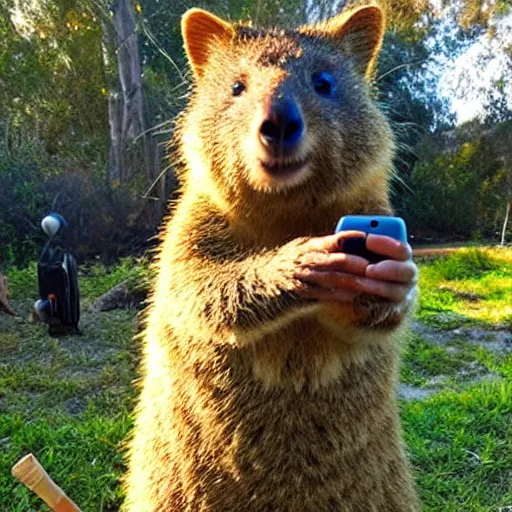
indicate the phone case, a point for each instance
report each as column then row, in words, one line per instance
column 393, row 227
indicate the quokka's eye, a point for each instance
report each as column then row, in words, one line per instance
column 323, row 83
column 238, row 88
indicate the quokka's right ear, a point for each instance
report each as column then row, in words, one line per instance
column 199, row 30
column 358, row 31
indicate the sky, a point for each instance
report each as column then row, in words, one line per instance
column 464, row 80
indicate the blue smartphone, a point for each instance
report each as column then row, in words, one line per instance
column 377, row 224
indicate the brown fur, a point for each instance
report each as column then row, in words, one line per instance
column 252, row 398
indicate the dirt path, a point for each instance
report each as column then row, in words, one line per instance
column 431, row 252
column 456, row 341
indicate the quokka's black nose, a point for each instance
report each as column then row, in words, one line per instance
column 283, row 128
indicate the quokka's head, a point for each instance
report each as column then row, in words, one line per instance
column 286, row 112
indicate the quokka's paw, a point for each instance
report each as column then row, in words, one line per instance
column 378, row 313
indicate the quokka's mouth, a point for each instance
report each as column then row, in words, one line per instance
column 283, row 167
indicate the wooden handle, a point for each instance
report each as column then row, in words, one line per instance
column 29, row 472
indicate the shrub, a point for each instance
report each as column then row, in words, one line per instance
column 23, row 197
column 456, row 190
column 103, row 222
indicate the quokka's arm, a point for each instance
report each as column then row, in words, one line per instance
column 240, row 296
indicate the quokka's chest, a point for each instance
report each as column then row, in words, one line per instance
column 318, row 352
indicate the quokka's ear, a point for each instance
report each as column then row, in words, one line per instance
column 358, row 31
column 199, row 30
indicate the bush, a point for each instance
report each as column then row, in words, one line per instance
column 23, row 197
column 103, row 222
column 458, row 189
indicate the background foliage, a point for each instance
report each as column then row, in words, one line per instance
column 61, row 75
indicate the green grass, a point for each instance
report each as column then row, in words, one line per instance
column 95, row 279
column 424, row 363
column 69, row 401
column 485, row 274
column 80, row 453
column 461, row 448
column 460, row 439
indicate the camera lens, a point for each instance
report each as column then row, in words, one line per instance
column 374, row 223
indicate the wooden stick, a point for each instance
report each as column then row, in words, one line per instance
column 29, row 472
column 4, row 305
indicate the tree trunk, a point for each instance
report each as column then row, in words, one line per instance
column 127, row 115
column 115, row 153
column 505, row 223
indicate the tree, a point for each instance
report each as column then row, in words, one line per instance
column 51, row 75
column 127, row 113
column 499, row 137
